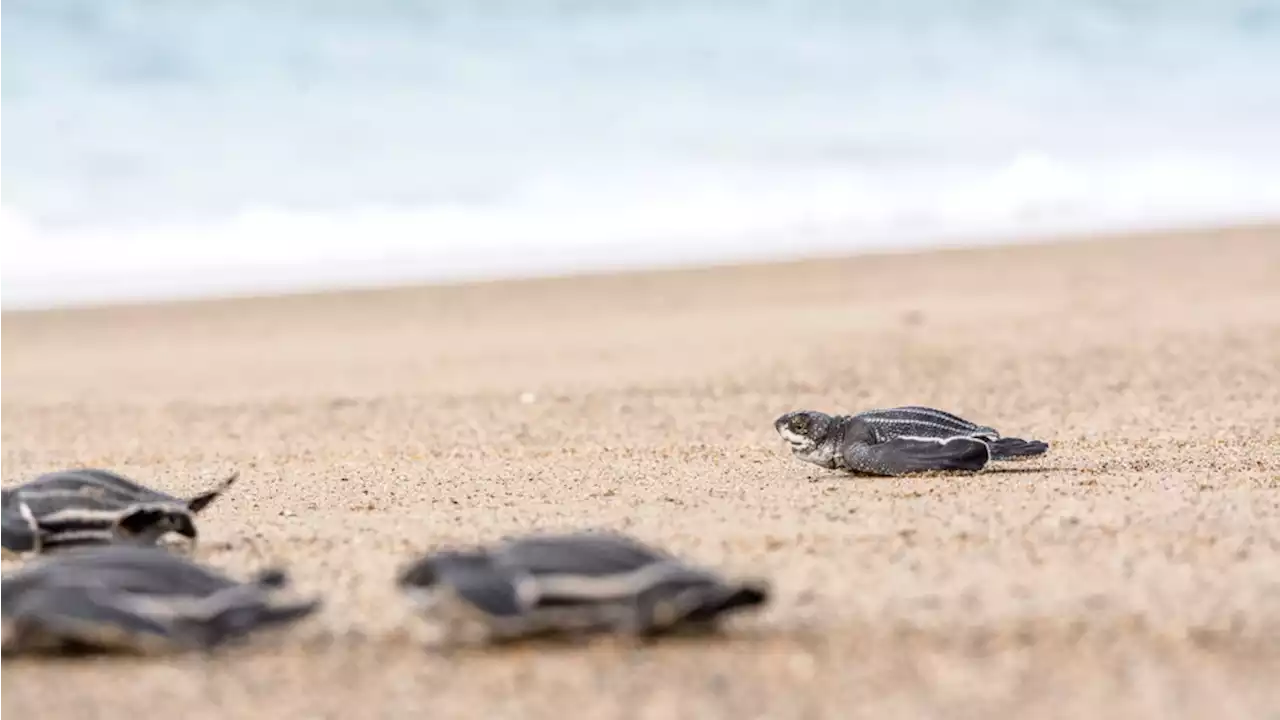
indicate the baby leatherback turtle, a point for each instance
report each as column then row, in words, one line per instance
column 898, row 441
column 130, row 598
column 565, row 584
column 95, row 507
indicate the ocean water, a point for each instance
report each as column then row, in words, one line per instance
column 193, row 147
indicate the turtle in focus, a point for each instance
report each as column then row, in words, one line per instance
column 570, row 584
column 135, row 599
column 899, row 441
column 89, row 506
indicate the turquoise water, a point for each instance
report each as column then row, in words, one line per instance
column 183, row 147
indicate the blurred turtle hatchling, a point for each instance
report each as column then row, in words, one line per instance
column 570, row 584
column 139, row 599
column 96, row 507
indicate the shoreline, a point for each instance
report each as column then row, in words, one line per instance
column 356, row 275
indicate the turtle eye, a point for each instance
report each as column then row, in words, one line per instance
column 800, row 423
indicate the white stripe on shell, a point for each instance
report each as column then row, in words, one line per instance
column 62, row 538
column 89, row 482
column 924, row 423
column 610, row 587
column 948, row 419
column 90, row 514
column 30, row 518
column 933, row 413
column 81, row 514
column 192, row 607
column 29, row 493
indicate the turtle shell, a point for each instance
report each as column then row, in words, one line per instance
column 572, row 582
column 94, row 507
column 136, row 598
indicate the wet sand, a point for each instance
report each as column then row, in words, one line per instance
column 1132, row 572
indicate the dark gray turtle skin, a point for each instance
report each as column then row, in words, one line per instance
column 135, row 599
column 566, row 584
column 899, row 441
column 89, row 506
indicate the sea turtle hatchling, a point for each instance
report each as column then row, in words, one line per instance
column 570, row 584
column 94, row 507
column 898, row 441
column 140, row 599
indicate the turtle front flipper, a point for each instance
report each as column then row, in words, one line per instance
column 201, row 501
column 73, row 618
column 907, row 455
column 1017, row 448
column 238, row 620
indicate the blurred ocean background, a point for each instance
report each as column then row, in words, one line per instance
column 189, row 147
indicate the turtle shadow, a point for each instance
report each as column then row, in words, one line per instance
column 605, row 640
column 84, row 653
column 1003, row 470
column 72, row 653
column 943, row 474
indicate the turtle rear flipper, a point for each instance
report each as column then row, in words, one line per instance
column 1015, row 448
column 906, row 455
column 202, row 501
column 691, row 598
column 741, row 596
column 74, row 618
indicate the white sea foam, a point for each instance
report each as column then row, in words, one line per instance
column 584, row 229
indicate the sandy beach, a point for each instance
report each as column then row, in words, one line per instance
column 1134, row 571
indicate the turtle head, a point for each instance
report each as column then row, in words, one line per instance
column 419, row 574
column 804, row 429
column 148, row 523
column 426, row 572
